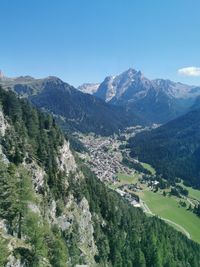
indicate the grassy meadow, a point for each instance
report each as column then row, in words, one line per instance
column 169, row 208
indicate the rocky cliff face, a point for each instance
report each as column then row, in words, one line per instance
column 3, row 126
column 79, row 214
column 65, row 159
column 74, row 213
column 3, row 123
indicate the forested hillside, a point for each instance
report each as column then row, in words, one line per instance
column 173, row 149
column 73, row 110
column 54, row 211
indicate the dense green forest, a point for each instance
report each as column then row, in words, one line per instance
column 173, row 149
column 123, row 235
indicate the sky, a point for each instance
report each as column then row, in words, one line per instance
column 86, row 40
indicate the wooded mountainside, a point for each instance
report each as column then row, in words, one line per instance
column 69, row 217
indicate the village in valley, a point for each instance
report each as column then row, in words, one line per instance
column 137, row 182
column 105, row 156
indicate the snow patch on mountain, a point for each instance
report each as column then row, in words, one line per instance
column 89, row 88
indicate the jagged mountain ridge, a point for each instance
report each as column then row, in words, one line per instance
column 74, row 110
column 158, row 101
column 68, row 217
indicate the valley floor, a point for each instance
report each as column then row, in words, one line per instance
column 104, row 157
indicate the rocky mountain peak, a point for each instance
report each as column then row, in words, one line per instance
column 132, row 72
column 2, row 75
column 115, row 86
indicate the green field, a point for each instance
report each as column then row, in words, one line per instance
column 127, row 179
column 149, row 167
column 168, row 208
column 193, row 193
column 124, row 179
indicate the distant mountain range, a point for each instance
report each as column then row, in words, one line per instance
column 119, row 101
column 158, row 101
column 173, row 149
column 74, row 110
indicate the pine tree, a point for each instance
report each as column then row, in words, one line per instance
column 140, row 259
column 3, row 252
column 24, row 196
column 8, row 195
column 15, row 194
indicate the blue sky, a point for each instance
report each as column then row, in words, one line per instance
column 86, row 40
